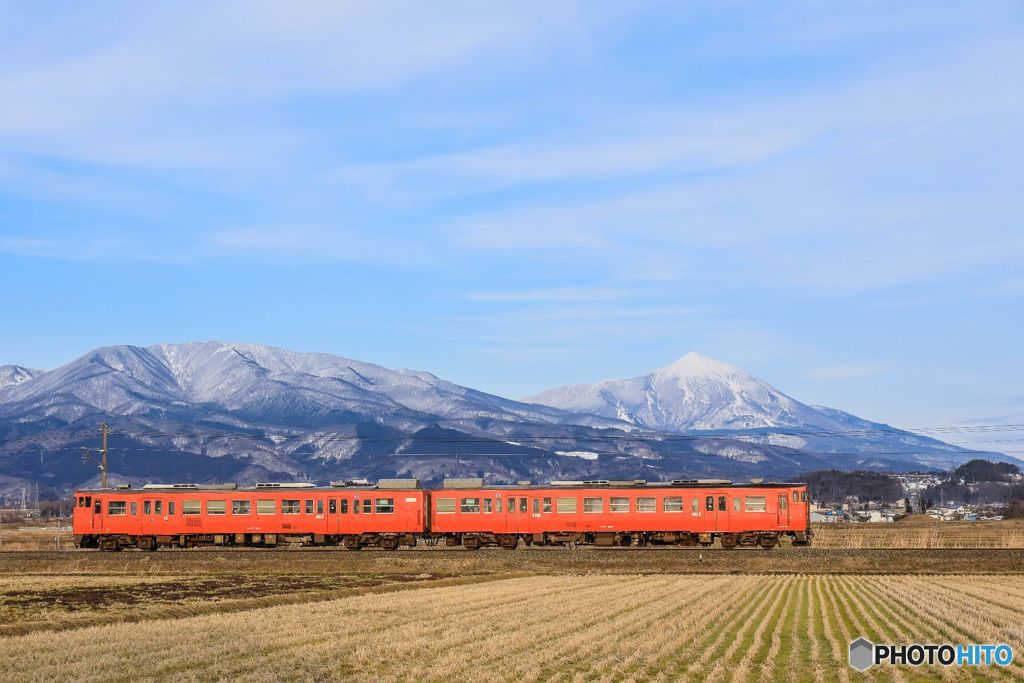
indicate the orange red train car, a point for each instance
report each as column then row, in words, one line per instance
column 185, row 515
column 462, row 512
column 623, row 513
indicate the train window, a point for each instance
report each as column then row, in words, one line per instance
column 522, row 505
column 619, row 505
column 536, row 506
column 344, row 506
column 385, row 506
column 266, row 507
column 332, row 507
column 445, row 506
column 511, row 504
column 756, row 504
column 646, row 504
column 566, row 505
column 135, row 508
column 159, row 507
column 487, row 505
column 309, row 507
column 803, row 496
column 98, row 508
column 470, row 505
column 547, row 505
column 170, row 507
column 190, row 507
column 319, row 507
column 709, row 503
column 88, row 501
column 117, row 508
column 721, row 503
column 796, row 496
column 782, row 501
column 147, row 508
column 695, row 505
column 216, row 507
column 240, row 507
column 736, row 504
column 497, row 504
column 593, row 505
column 355, row 506
column 291, row 507
column 367, row 505
column 672, row 504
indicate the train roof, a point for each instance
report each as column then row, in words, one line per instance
column 447, row 485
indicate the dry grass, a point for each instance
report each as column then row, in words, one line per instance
column 918, row 533
column 655, row 627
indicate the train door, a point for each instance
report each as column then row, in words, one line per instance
column 536, row 525
column 783, row 510
column 149, row 518
column 710, row 517
column 512, row 515
column 97, row 513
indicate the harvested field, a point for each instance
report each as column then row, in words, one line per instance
column 919, row 531
column 664, row 627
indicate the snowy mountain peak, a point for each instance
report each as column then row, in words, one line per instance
column 16, row 374
column 693, row 393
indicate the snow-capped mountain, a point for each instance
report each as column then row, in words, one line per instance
column 693, row 393
column 15, row 374
column 219, row 411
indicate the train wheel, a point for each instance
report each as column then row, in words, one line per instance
column 389, row 543
column 471, row 543
column 352, row 543
column 729, row 541
column 768, row 542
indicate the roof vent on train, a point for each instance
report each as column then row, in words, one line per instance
column 627, row 482
column 565, row 482
column 285, row 485
column 714, row 481
column 193, row 487
column 350, row 482
column 398, row 483
column 465, row 483
column 596, row 482
column 123, row 487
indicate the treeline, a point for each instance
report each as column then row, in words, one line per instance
column 830, row 487
column 974, row 471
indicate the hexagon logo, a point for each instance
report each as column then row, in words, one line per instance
column 862, row 654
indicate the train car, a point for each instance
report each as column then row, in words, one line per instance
column 621, row 513
column 392, row 513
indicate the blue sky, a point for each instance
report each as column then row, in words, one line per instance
column 520, row 195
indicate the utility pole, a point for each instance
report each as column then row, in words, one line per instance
column 103, row 465
column 104, row 430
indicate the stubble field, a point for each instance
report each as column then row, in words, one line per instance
column 551, row 614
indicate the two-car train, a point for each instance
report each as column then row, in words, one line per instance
column 463, row 512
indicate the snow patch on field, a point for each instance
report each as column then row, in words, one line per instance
column 585, row 455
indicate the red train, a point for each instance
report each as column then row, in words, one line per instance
column 463, row 512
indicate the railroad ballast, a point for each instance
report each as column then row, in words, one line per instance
column 465, row 512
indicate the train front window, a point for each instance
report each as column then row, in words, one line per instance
column 721, row 504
